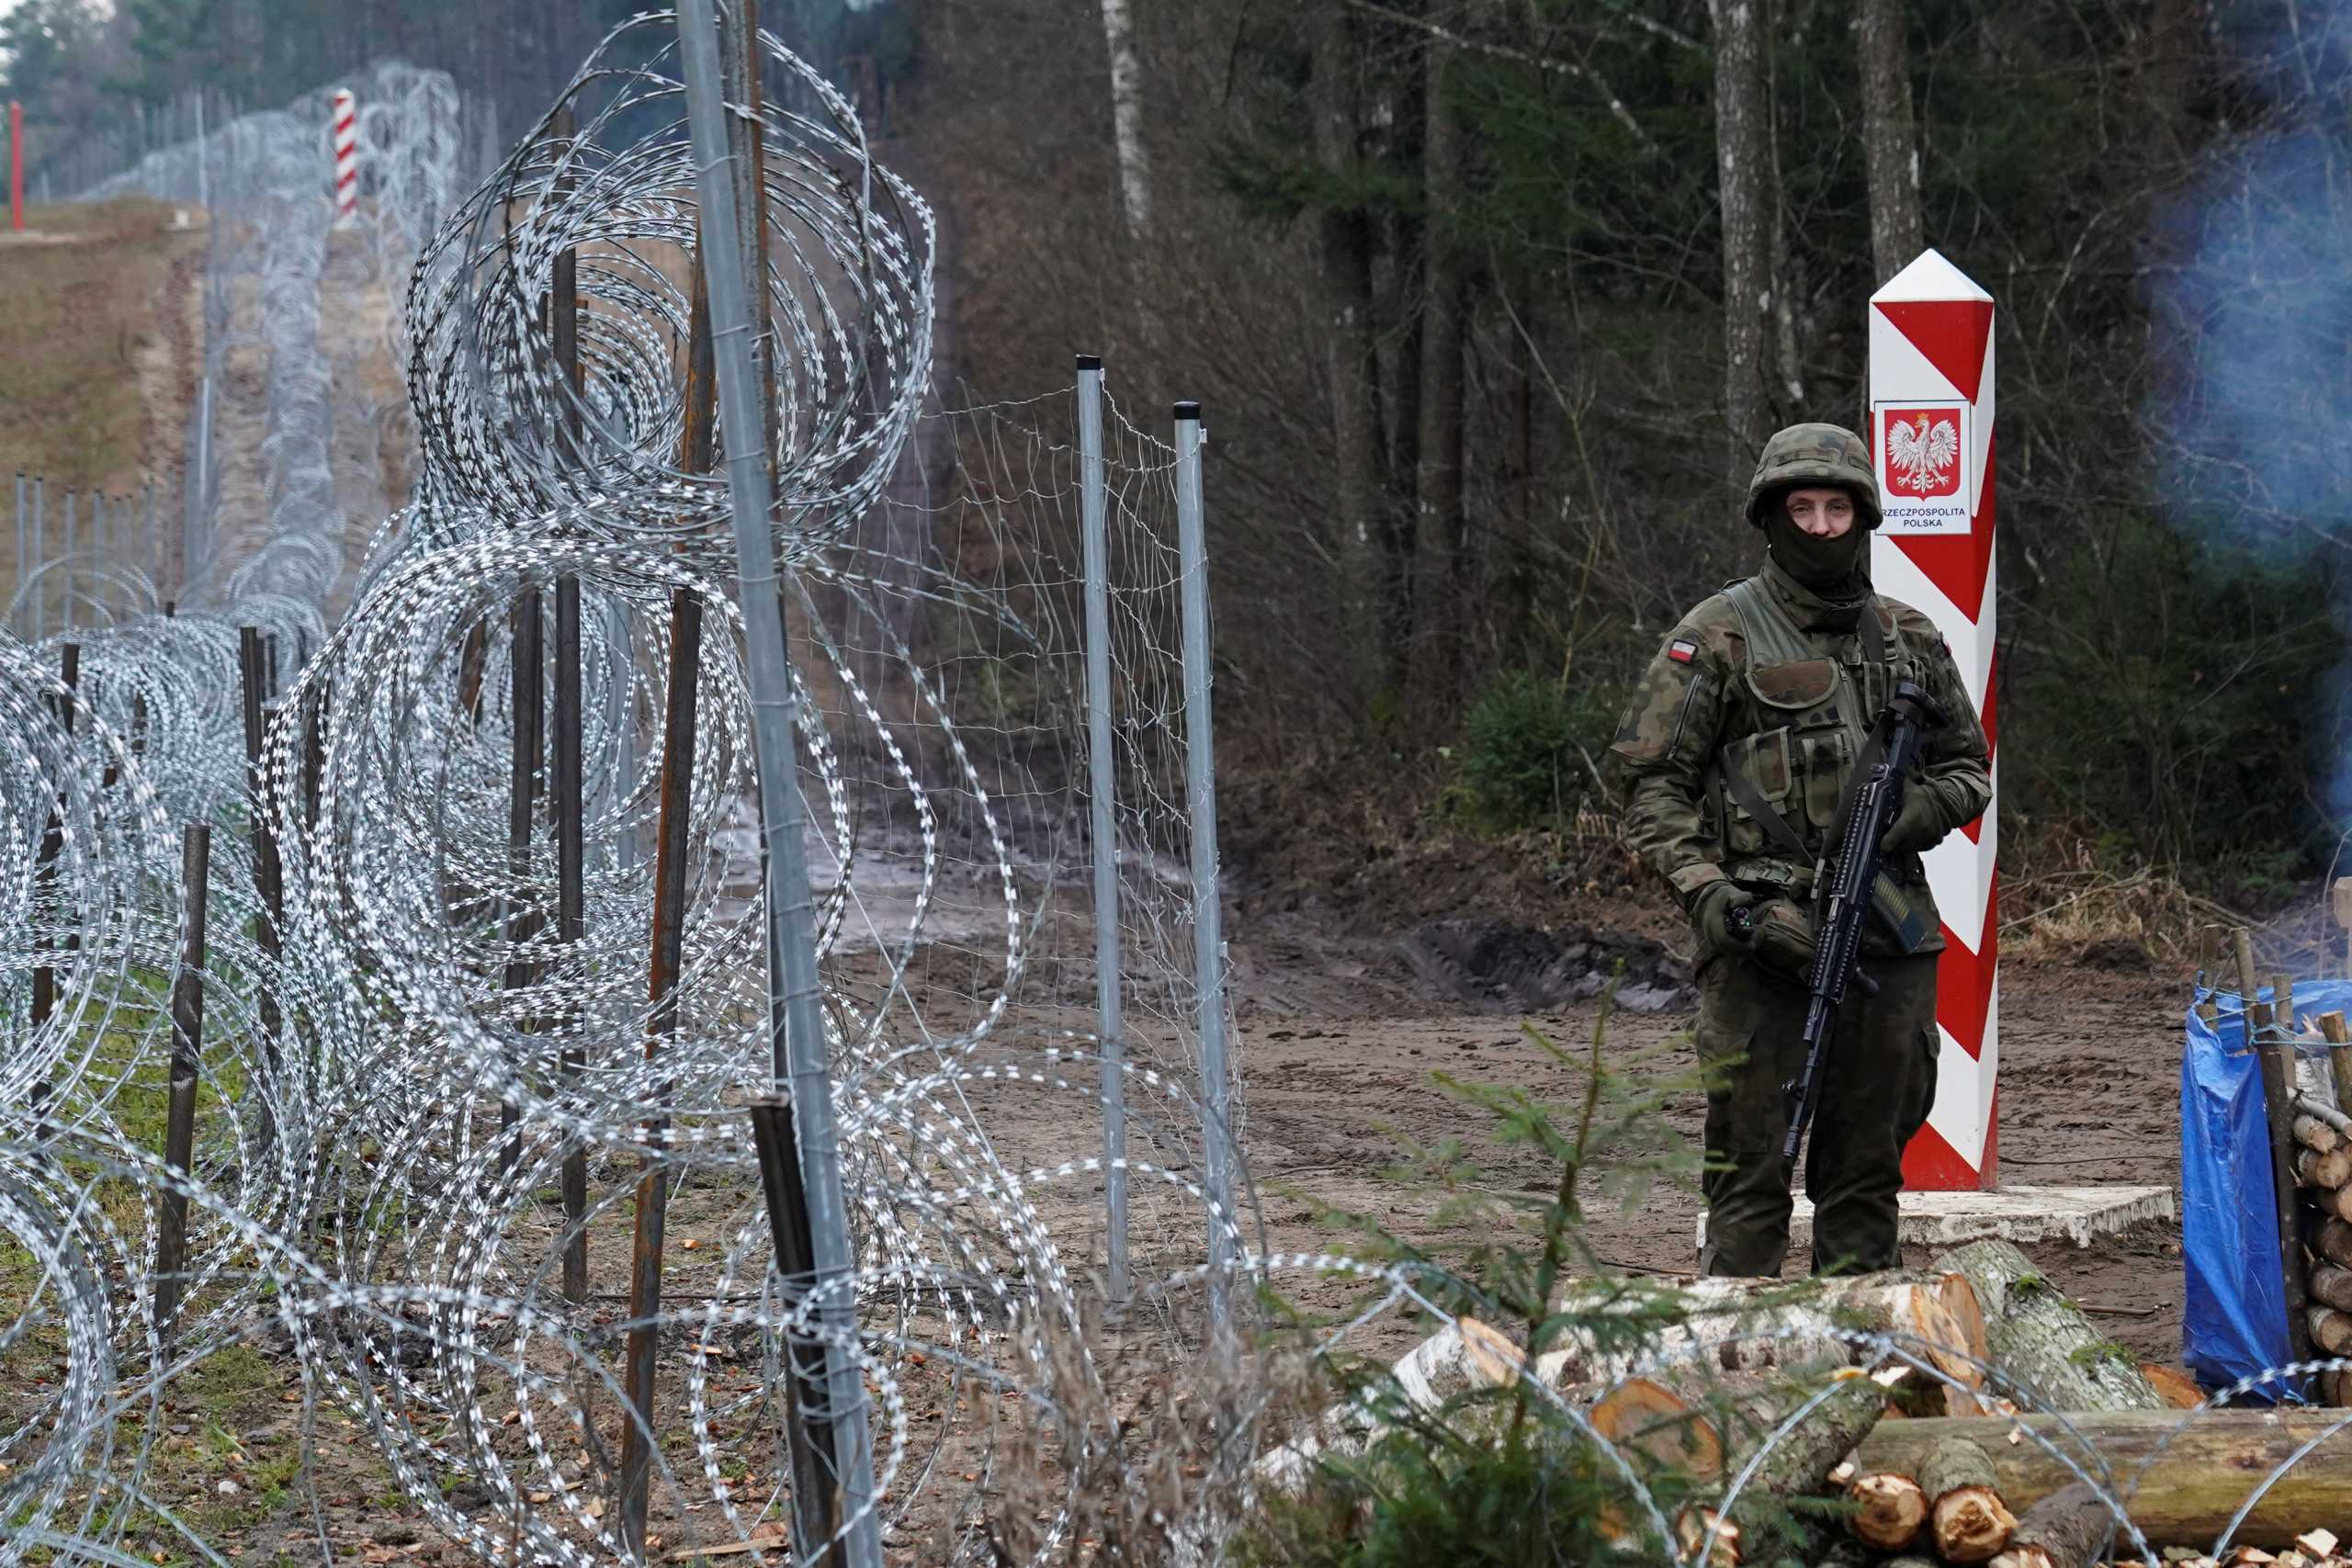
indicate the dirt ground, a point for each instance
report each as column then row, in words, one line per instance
column 1340, row 1044
column 1339, row 1041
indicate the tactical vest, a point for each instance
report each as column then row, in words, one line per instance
column 1781, row 791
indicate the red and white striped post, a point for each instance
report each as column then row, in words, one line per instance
column 16, row 166
column 347, row 158
column 1931, row 428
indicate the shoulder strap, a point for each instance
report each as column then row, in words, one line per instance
column 1772, row 638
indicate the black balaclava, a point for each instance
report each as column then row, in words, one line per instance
column 1828, row 567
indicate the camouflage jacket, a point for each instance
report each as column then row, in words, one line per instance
column 1702, row 706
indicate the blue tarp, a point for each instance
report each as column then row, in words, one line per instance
column 2235, row 1325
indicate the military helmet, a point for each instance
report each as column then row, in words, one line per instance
column 1814, row 455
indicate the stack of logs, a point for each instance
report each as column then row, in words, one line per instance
column 1926, row 1471
column 2311, row 1146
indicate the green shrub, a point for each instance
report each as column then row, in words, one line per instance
column 1500, row 1476
column 1531, row 748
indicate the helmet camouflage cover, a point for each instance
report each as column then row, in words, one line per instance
column 1814, row 455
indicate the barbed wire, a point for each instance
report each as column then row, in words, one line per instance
column 409, row 1056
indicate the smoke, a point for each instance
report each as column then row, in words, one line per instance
column 2250, row 292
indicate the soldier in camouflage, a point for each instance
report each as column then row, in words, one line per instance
column 1735, row 757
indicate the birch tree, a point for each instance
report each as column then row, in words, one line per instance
column 1127, row 116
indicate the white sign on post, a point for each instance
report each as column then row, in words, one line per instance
column 1924, row 478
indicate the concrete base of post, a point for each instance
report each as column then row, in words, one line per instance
column 2012, row 1214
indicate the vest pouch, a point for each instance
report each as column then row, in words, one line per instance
column 1876, row 683
column 1829, row 758
column 1767, row 761
column 1794, row 687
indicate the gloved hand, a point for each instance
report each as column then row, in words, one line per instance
column 1711, row 915
column 1783, row 937
column 1915, row 827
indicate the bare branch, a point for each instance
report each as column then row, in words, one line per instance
column 1553, row 63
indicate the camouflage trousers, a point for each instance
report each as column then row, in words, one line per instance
column 1877, row 1080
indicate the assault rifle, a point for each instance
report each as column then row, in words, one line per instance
column 1841, row 891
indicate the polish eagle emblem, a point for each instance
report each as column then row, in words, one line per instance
column 1919, row 450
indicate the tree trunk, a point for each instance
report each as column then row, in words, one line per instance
column 1126, row 118
column 1440, row 556
column 1360, row 488
column 2042, row 1342
column 2178, row 1481
column 1744, row 169
column 1514, row 602
column 1890, row 142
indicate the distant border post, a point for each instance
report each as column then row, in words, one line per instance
column 347, row 158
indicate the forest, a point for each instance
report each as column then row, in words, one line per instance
column 1490, row 304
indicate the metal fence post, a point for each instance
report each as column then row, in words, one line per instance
column 40, row 556
column 527, row 712
column 1199, row 800
column 796, row 1021
column 571, row 866
column 65, row 613
column 188, row 1058
column 1102, row 801
column 269, row 871
column 24, row 543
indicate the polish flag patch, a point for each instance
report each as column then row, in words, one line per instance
column 1682, row 652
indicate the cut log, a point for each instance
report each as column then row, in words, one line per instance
column 1967, row 1314
column 1798, row 1463
column 1966, row 1519
column 2178, row 1481
column 2331, row 1330
column 1648, row 1417
column 2064, row 1529
column 1889, row 1510
column 2336, row 1202
column 2178, row 1389
column 2331, row 1169
column 2052, row 1356
column 2333, row 1242
column 2332, row 1286
column 2325, row 1114
column 2312, row 1131
column 1464, row 1356
column 2339, row 1057
column 1752, row 1325
column 1698, row 1527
